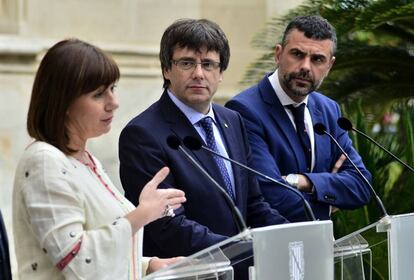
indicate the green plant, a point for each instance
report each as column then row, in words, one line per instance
column 371, row 78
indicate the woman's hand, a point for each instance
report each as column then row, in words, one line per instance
column 157, row 263
column 153, row 202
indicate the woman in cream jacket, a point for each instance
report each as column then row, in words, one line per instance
column 69, row 220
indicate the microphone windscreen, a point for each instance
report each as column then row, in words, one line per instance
column 344, row 123
column 319, row 128
column 192, row 143
column 173, row 141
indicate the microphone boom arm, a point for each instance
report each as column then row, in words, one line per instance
column 241, row 225
column 308, row 208
column 380, row 204
column 382, row 148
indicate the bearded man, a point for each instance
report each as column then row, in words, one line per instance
column 279, row 114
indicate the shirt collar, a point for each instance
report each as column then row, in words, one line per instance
column 192, row 115
column 284, row 99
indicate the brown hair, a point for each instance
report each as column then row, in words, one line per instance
column 68, row 70
column 193, row 34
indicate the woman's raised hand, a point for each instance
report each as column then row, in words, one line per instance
column 155, row 203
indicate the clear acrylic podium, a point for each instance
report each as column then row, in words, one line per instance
column 353, row 254
column 294, row 251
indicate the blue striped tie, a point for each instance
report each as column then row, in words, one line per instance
column 206, row 125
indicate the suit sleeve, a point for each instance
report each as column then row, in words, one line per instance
column 263, row 160
column 345, row 189
column 259, row 212
column 141, row 156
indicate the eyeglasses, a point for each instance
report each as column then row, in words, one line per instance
column 184, row 64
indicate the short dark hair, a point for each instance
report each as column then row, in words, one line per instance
column 194, row 34
column 68, row 70
column 314, row 27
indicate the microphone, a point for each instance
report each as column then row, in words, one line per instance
column 175, row 143
column 346, row 124
column 321, row 130
column 193, row 143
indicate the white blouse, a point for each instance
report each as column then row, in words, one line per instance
column 64, row 215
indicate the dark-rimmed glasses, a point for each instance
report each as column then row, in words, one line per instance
column 184, row 64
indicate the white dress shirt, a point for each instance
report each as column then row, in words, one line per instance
column 285, row 100
column 194, row 117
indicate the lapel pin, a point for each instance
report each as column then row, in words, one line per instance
column 225, row 125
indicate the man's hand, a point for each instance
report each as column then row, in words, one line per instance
column 338, row 163
column 335, row 169
column 305, row 185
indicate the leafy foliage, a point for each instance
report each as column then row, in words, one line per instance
column 375, row 60
column 371, row 78
column 393, row 183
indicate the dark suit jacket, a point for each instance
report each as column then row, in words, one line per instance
column 5, row 270
column 205, row 218
column 277, row 151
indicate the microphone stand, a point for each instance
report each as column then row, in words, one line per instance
column 346, row 124
column 321, row 129
column 175, row 143
column 194, row 144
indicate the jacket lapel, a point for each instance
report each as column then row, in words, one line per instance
column 320, row 140
column 182, row 127
column 229, row 133
column 282, row 122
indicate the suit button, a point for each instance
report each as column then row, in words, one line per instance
column 329, row 198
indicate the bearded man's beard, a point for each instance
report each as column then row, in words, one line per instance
column 298, row 88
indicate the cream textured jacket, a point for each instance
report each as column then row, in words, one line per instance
column 60, row 206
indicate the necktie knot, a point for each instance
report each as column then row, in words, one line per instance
column 206, row 123
column 298, row 112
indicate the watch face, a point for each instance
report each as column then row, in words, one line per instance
column 293, row 179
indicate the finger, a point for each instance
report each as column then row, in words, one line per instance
column 159, row 177
column 176, row 201
column 174, row 260
column 170, row 193
column 338, row 163
column 175, row 206
column 334, row 209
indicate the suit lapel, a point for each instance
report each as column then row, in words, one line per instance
column 320, row 140
column 182, row 127
column 282, row 122
column 228, row 131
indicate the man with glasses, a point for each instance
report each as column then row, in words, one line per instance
column 193, row 54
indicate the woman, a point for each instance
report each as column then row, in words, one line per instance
column 69, row 220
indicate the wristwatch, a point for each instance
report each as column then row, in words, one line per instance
column 293, row 179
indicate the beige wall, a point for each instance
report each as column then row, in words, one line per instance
column 130, row 30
